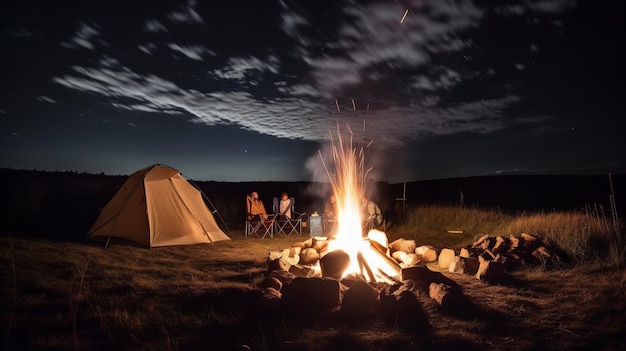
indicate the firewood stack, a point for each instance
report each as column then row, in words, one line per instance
column 489, row 258
column 515, row 251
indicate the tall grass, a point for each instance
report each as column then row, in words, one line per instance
column 590, row 235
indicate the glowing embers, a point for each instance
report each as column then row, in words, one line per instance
column 368, row 256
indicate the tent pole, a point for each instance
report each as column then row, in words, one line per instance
column 212, row 208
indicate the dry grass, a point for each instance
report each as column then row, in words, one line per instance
column 70, row 295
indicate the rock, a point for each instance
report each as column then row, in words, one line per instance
column 268, row 304
column 277, row 265
column 445, row 257
column 284, row 276
column 306, row 299
column 359, row 300
column 303, row 271
column 457, row 265
column 270, row 282
column 402, row 308
column 426, row 253
column 444, row 295
column 309, row 256
column 403, row 245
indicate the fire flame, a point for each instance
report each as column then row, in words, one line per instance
column 348, row 183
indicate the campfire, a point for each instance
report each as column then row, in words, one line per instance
column 348, row 174
column 364, row 254
column 355, row 273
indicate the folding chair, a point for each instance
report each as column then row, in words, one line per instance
column 284, row 225
column 261, row 228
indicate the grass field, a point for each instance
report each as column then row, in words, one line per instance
column 64, row 295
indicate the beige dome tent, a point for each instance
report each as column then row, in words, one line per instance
column 156, row 206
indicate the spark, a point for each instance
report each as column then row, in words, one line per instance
column 337, row 104
column 353, row 105
column 403, row 17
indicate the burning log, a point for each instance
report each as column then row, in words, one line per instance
column 376, row 236
column 382, row 253
column 334, row 264
column 363, row 266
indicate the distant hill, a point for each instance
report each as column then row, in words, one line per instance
column 520, row 192
column 65, row 204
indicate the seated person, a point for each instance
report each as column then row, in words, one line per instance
column 370, row 215
column 255, row 208
column 285, row 205
column 331, row 216
column 330, row 208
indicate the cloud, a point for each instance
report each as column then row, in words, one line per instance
column 46, row 99
column 85, row 38
column 238, row 68
column 154, row 26
column 283, row 117
column 194, row 52
column 186, row 15
column 371, row 36
column 148, row 48
column 21, row 33
column 366, row 46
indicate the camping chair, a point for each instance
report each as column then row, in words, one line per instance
column 284, row 225
column 259, row 227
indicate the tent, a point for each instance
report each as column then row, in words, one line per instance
column 156, row 206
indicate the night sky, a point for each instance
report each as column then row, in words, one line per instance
column 254, row 90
